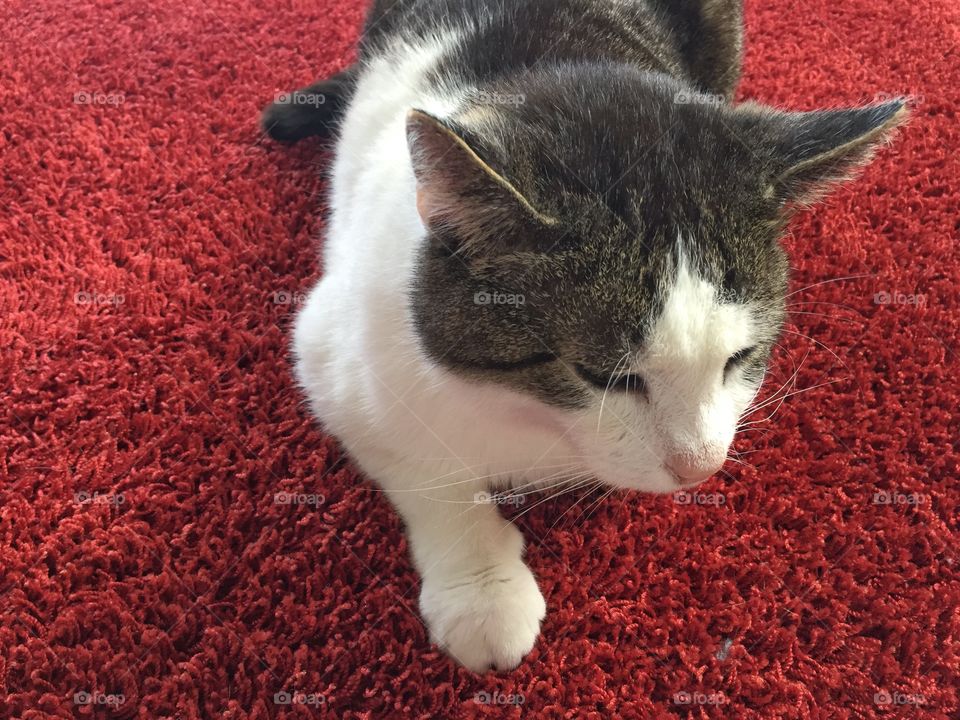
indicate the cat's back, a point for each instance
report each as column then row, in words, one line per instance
column 500, row 37
column 432, row 54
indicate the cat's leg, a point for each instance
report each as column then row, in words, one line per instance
column 479, row 600
column 313, row 110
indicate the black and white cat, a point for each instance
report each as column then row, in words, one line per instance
column 552, row 258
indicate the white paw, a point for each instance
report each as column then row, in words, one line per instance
column 487, row 619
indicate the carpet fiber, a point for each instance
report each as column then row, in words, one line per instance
column 178, row 540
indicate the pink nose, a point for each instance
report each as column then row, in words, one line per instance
column 691, row 469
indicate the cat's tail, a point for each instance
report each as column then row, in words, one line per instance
column 710, row 33
column 313, row 110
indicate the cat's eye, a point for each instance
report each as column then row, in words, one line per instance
column 622, row 383
column 738, row 359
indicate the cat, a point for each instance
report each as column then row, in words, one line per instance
column 552, row 257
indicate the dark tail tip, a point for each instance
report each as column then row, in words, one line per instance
column 289, row 122
column 312, row 111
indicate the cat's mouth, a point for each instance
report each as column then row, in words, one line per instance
column 684, row 483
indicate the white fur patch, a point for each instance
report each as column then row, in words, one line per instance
column 696, row 407
column 695, row 328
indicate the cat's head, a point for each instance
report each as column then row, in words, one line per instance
column 609, row 248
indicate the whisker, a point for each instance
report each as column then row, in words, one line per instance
column 830, row 280
column 753, row 407
column 616, row 370
column 475, row 478
column 504, row 496
column 791, row 394
column 594, row 504
column 539, row 487
column 801, row 303
column 807, row 337
column 828, row 317
column 576, row 486
column 555, row 522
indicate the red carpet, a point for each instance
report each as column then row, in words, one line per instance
column 153, row 248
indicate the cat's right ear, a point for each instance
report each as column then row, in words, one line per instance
column 810, row 152
column 472, row 207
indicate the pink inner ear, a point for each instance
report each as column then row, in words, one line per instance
column 430, row 206
column 423, row 208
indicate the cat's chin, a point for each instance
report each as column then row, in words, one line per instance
column 656, row 481
column 661, row 486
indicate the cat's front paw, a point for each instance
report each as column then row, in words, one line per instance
column 490, row 618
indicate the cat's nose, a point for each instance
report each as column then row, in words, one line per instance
column 692, row 469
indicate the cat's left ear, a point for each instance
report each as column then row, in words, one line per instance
column 810, row 152
column 457, row 191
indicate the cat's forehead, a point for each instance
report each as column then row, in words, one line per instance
column 697, row 322
column 630, row 146
column 669, row 303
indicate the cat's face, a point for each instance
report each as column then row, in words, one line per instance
column 663, row 413
column 636, row 298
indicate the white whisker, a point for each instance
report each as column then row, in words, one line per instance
column 830, row 280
